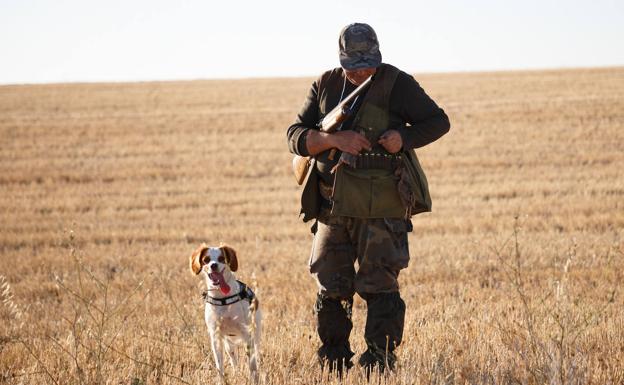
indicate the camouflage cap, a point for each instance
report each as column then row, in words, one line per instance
column 359, row 47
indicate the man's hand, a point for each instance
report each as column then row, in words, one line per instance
column 391, row 140
column 350, row 142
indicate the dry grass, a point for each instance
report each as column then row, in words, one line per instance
column 516, row 276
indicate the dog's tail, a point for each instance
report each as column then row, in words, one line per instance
column 256, row 332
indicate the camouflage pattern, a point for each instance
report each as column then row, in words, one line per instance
column 358, row 47
column 379, row 245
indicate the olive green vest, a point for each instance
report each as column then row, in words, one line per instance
column 371, row 193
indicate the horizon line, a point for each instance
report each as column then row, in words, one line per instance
column 246, row 78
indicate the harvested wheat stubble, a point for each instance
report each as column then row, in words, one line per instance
column 105, row 189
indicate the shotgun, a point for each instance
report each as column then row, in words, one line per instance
column 330, row 123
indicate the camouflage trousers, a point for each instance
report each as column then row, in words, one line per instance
column 379, row 245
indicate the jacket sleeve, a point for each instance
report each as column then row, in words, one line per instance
column 307, row 119
column 427, row 122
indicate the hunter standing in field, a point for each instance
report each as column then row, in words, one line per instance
column 363, row 196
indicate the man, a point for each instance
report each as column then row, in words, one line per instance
column 362, row 213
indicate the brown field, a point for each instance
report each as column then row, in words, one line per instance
column 105, row 190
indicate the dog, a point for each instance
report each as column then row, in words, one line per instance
column 232, row 311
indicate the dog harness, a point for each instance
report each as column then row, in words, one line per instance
column 245, row 293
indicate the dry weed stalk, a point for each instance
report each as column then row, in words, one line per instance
column 96, row 322
column 552, row 319
column 7, row 300
column 17, row 314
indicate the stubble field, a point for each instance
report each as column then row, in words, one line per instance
column 105, row 190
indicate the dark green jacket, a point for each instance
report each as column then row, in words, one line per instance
column 419, row 120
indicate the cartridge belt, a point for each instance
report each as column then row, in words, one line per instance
column 367, row 160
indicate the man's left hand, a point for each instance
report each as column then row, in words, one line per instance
column 391, row 140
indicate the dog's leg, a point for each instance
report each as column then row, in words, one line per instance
column 252, row 357
column 217, row 351
column 253, row 347
column 257, row 329
column 231, row 352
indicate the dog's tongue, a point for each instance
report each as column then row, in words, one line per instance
column 217, row 279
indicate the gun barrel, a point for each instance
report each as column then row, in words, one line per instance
column 357, row 91
column 342, row 111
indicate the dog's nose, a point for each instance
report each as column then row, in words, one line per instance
column 214, row 267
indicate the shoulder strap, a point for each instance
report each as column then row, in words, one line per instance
column 380, row 90
column 373, row 117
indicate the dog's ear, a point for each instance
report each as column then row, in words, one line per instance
column 230, row 257
column 195, row 260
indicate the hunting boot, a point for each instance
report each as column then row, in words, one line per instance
column 334, row 327
column 383, row 332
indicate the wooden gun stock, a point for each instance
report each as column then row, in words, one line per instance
column 300, row 165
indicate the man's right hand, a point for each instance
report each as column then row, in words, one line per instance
column 350, row 142
column 347, row 141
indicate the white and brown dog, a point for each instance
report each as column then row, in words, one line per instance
column 232, row 315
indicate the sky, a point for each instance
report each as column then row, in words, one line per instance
column 51, row 41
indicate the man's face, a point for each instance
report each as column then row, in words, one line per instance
column 358, row 76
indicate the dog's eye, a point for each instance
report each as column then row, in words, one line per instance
column 205, row 260
column 221, row 259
